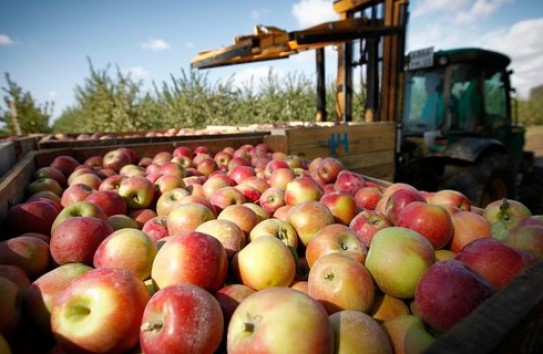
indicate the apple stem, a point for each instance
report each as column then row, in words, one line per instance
column 151, row 327
column 503, row 209
column 248, row 327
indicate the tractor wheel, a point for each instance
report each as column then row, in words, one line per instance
column 490, row 178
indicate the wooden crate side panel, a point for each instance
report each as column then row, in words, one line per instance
column 278, row 143
column 8, row 157
column 12, row 185
column 380, row 173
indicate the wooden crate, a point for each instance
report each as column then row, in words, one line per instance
column 511, row 321
column 365, row 148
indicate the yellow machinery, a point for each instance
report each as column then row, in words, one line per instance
column 378, row 25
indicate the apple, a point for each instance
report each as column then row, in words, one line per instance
column 187, row 217
column 81, row 208
column 45, row 195
column 448, row 292
column 44, row 184
column 182, row 150
column 16, row 274
column 265, row 262
column 199, row 200
column 280, row 177
column 278, row 229
column 182, row 318
column 74, row 193
column 408, row 334
column 216, row 182
column 368, row 197
column 65, row 163
column 129, row 249
column 389, row 190
column 226, row 196
column 468, row 226
column 342, row 206
column 94, row 161
column 399, row 200
column 340, row 282
column 260, row 183
column 53, row 173
column 272, row 199
column 91, row 179
column 261, row 214
column 335, row 238
column 453, row 198
column 122, row 221
column 245, row 218
column 329, row 168
column 156, row 228
column 77, row 238
column 40, row 295
column 357, row 332
column 191, row 257
column 111, row 183
column 116, row 159
column 494, row 260
column 308, row 218
column 222, row 158
column 386, row 307
column 366, row 224
column 29, row 253
column 227, row 232
column 250, row 193
column 431, row 221
column 100, row 296
column 141, row 216
column 10, row 306
column 527, row 238
column 165, row 183
column 131, row 169
column 206, row 165
column 507, row 212
column 137, row 191
column 162, row 157
column 32, row 216
column 229, row 297
column 169, row 200
column 397, row 258
column 172, row 168
column 240, row 173
column 109, row 201
column 265, row 320
column 302, row 189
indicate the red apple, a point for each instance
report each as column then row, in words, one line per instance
column 109, row 201
column 129, row 249
column 65, row 163
column 122, row 221
column 137, row 191
column 90, row 179
column 227, row 232
column 156, row 228
column 280, row 177
column 366, row 224
column 10, row 307
column 191, row 257
column 431, row 221
column 74, row 193
column 329, row 168
column 32, row 216
column 468, row 226
column 399, row 200
column 40, row 295
column 77, row 238
column 342, row 206
column 368, row 197
column 29, row 253
column 308, row 218
column 16, row 274
column 527, row 238
column 272, row 199
column 81, row 208
column 116, row 159
column 245, row 218
column 229, row 297
column 226, row 196
column 340, row 282
column 349, row 181
column 172, row 168
column 449, row 197
column 216, row 182
column 335, row 238
column 273, row 165
column 182, row 318
column 187, row 217
column 302, row 189
column 507, row 212
column 240, row 173
column 169, row 200
column 165, row 183
column 111, row 183
column 141, row 216
column 408, row 334
column 357, row 332
column 53, row 173
column 276, row 228
column 100, row 296
column 44, row 184
column 448, row 292
column 264, row 318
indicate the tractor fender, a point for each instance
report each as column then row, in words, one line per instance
column 470, row 148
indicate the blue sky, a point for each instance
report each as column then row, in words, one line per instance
column 45, row 44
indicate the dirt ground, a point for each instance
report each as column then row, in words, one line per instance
column 534, row 142
column 531, row 191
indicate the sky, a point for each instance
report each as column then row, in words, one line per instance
column 46, row 45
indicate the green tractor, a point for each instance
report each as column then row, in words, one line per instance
column 457, row 129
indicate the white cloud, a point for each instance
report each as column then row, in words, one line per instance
column 480, row 9
column 52, row 94
column 189, row 45
column 155, row 44
column 258, row 14
column 5, row 40
column 137, row 72
column 312, row 12
column 425, row 7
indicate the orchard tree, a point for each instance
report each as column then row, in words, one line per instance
column 21, row 114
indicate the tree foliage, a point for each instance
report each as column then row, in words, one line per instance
column 21, row 114
column 530, row 111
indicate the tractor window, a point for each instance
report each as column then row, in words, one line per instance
column 466, row 98
column 495, row 99
column 424, row 107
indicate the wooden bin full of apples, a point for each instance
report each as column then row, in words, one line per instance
column 226, row 245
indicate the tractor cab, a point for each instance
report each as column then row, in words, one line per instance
column 462, row 92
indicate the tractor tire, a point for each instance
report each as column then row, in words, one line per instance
column 490, row 178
